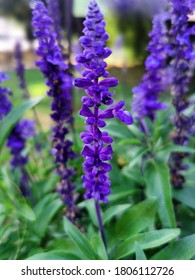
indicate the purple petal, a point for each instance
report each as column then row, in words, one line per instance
column 82, row 83
column 107, row 114
column 125, row 117
column 107, row 150
column 86, row 112
column 110, row 82
column 87, row 152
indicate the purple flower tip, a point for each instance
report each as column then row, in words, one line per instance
column 82, row 83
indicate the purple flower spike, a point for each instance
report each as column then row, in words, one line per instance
column 60, row 83
column 16, row 141
column 5, row 104
column 54, row 13
column 158, row 77
column 181, row 33
column 96, row 82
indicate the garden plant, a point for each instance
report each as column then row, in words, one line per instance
column 112, row 178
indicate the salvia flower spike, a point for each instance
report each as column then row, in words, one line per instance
column 55, row 13
column 183, row 55
column 17, row 138
column 96, row 82
column 5, row 103
column 157, row 78
column 60, row 82
column 17, row 143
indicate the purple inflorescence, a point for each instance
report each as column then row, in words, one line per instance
column 157, row 78
column 20, row 71
column 183, row 54
column 5, row 104
column 18, row 136
column 17, row 139
column 96, row 82
column 17, row 143
column 60, row 82
column 54, row 13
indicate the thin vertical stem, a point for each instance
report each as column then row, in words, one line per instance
column 100, row 222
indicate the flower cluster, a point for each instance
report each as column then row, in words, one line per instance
column 60, row 82
column 5, row 104
column 17, row 138
column 158, row 77
column 54, row 13
column 182, row 55
column 17, row 143
column 96, row 82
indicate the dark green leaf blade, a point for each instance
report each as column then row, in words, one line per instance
column 54, row 255
column 183, row 249
column 139, row 253
column 186, row 196
column 41, row 224
column 136, row 218
column 158, row 186
column 113, row 211
column 80, row 240
column 98, row 244
column 147, row 240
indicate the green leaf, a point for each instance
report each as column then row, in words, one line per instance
column 41, row 224
column 44, row 202
column 133, row 173
column 179, row 149
column 183, row 249
column 133, row 141
column 122, row 133
column 65, row 244
column 80, row 240
column 7, row 124
column 136, row 218
column 186, row 196
column 4, row 229
column 119, row 195
column 98, row 245
column 113, row 211
column 142, row 151
column 148, row 240
column 89, row 205
column 158, row 186
column 54, row 255
column 27, row 212
column 139, row 253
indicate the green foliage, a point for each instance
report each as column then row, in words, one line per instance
column 139, row 253
column 87, row 251
column 143, row 210
column 54, row 255
column 185, row 196
column 183, row 249
column 13, row 117
column 147, row 240
column 158, row 186
column 136, row 219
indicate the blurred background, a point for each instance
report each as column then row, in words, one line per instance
column 128, row 23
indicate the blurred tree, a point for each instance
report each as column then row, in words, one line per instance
column 134, row 21
column 19, row 10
